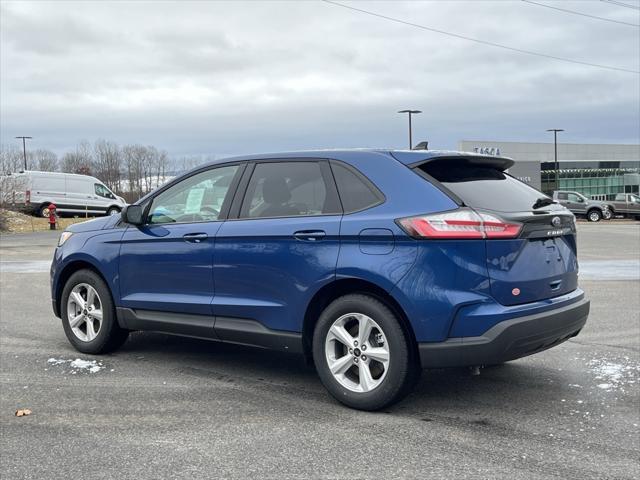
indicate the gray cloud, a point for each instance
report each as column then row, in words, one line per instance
column 232, row 77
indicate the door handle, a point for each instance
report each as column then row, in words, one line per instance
column 195, row 237
column 310, row 235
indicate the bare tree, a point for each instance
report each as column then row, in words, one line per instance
column 12, row 187
column 190, row 161
column 11, row 159
column 134, row 160
column 162, row 162
column 107, row 163
column 44, row 160
column 78, row 161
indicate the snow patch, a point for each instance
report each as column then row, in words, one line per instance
column 614, row 375
column 78, row 365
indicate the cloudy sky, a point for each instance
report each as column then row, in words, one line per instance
column 216, row 78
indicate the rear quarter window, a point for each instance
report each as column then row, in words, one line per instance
column 355, row 190
column 483, row 187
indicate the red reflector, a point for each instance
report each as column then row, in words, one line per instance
column 461, row 224
column 27, row 197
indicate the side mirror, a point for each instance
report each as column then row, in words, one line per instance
column 132, row 214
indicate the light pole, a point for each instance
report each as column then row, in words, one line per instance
column 556, row 166
column 24, row 149
column 410, row 112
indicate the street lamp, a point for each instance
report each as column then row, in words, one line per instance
column 24, row 149
column 555, row 154
column 410, row 112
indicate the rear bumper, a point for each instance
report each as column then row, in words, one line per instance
column 509, row 339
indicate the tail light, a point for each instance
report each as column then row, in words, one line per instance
column 459, row 224
column 27, row 196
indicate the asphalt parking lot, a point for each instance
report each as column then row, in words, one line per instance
column 171, row 407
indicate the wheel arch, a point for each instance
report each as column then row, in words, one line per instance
column 65, row 274
column 346, row 286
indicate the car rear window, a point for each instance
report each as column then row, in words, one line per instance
column 483, row 187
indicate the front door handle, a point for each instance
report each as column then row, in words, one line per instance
column 195, row 237
column 310, row 235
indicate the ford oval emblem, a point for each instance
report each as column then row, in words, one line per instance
column 556, row 222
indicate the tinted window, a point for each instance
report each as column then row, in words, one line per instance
column 355, row 192
column 198, row 198
column 484, row 187
column 102, row 191
column 563, row 196
column 287, row 189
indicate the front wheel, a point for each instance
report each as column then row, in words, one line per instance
column 362, row 354
column 88, row 314
column 607, row 215
column 594, row 216
column 113, row 211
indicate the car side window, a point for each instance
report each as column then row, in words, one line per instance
column 102, row 191
column 563, row 196
column 356, row 192
column 574, row 198
column 198, row 198
column 287, row 189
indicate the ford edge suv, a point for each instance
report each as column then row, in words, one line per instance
column 372, row 264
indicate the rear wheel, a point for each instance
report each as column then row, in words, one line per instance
column 88, row 315
column 607, row 214
column 594, row 215
column 362, row 354
column 43, row 211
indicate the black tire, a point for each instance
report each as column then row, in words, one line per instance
column 403, row 371
column 43, row 211
column 110, row 336
column 113, row 211
column 594, row 215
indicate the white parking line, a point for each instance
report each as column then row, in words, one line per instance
column 610, row 269
column 33, row 266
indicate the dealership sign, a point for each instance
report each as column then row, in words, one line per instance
column 487, row 150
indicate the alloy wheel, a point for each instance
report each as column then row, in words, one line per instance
column 357, row 352
column 84, row 312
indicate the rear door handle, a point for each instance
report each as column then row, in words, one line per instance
column 310, row 235
column 195, row 237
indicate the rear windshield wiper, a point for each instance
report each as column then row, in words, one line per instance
column 543, row 202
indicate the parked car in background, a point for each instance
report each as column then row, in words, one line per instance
column 72, row 194
column 581, row 206
column 372, row 264
column 626, row 204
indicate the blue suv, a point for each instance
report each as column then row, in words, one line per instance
column 373, row 264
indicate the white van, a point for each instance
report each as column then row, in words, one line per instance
column 71, row 193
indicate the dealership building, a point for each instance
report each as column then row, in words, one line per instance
column 598, row 171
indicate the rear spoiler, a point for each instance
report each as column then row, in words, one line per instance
column 499, row 163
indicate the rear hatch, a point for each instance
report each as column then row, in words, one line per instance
column 540, row 262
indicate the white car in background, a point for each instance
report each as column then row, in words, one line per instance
column 71, row 193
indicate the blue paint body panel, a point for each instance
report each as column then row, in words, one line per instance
column 263, row 273
column 257, row 269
